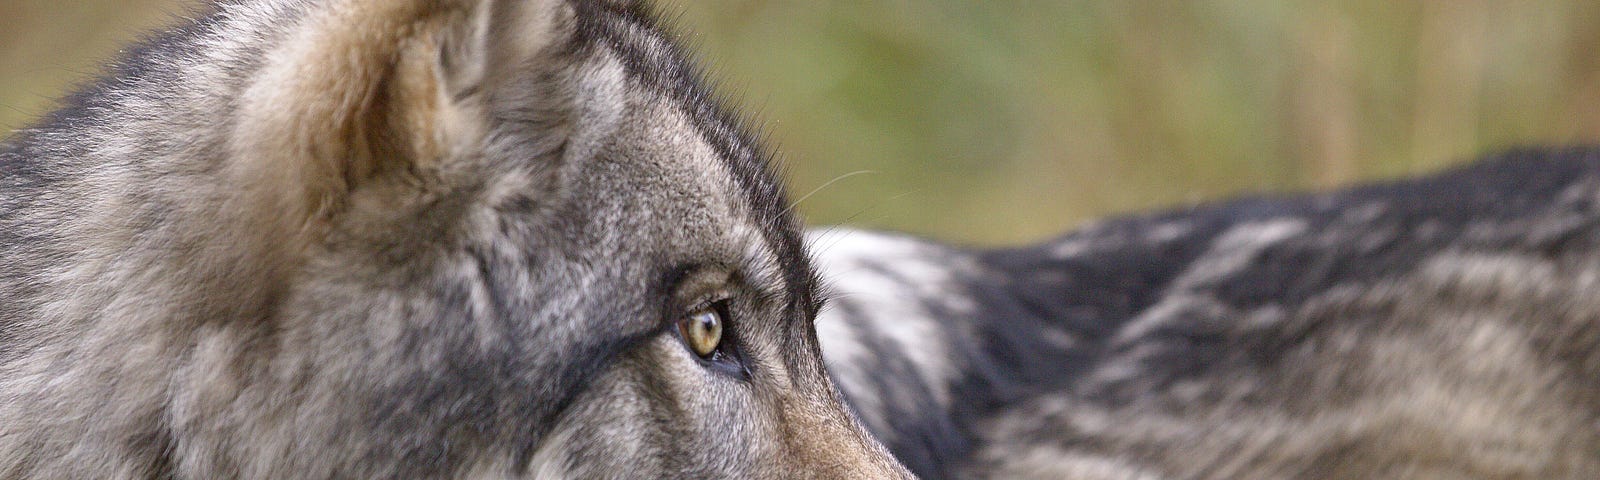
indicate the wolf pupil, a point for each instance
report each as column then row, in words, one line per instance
column 703, row 332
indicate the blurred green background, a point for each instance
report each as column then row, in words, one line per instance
column 1005, row 121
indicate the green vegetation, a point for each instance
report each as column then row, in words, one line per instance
column 1009, row 120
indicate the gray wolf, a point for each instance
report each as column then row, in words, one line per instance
column 408, row 239
column 1439, row 328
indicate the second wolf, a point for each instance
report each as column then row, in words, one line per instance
column 1441, row 328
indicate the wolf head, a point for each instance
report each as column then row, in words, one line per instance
column 408, row 239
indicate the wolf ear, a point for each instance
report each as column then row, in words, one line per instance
column 367, row 89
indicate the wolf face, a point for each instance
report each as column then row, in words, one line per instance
column 407, row 239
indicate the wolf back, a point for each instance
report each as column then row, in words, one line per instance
column 1444, row 327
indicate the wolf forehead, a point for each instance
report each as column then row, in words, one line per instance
column 652, row 59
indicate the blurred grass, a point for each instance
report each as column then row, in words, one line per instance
column 1008, row 120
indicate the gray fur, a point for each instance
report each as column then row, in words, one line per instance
column 405, row 239
column 1444, row 327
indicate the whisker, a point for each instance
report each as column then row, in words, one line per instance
column 802, row 199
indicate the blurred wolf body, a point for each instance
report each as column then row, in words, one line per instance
column 518, row 239
column 1439, row 328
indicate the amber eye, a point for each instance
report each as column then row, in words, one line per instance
column 702, row 330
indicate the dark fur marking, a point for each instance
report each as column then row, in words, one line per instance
column 924, row 438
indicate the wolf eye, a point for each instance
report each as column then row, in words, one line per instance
column 702, row 330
